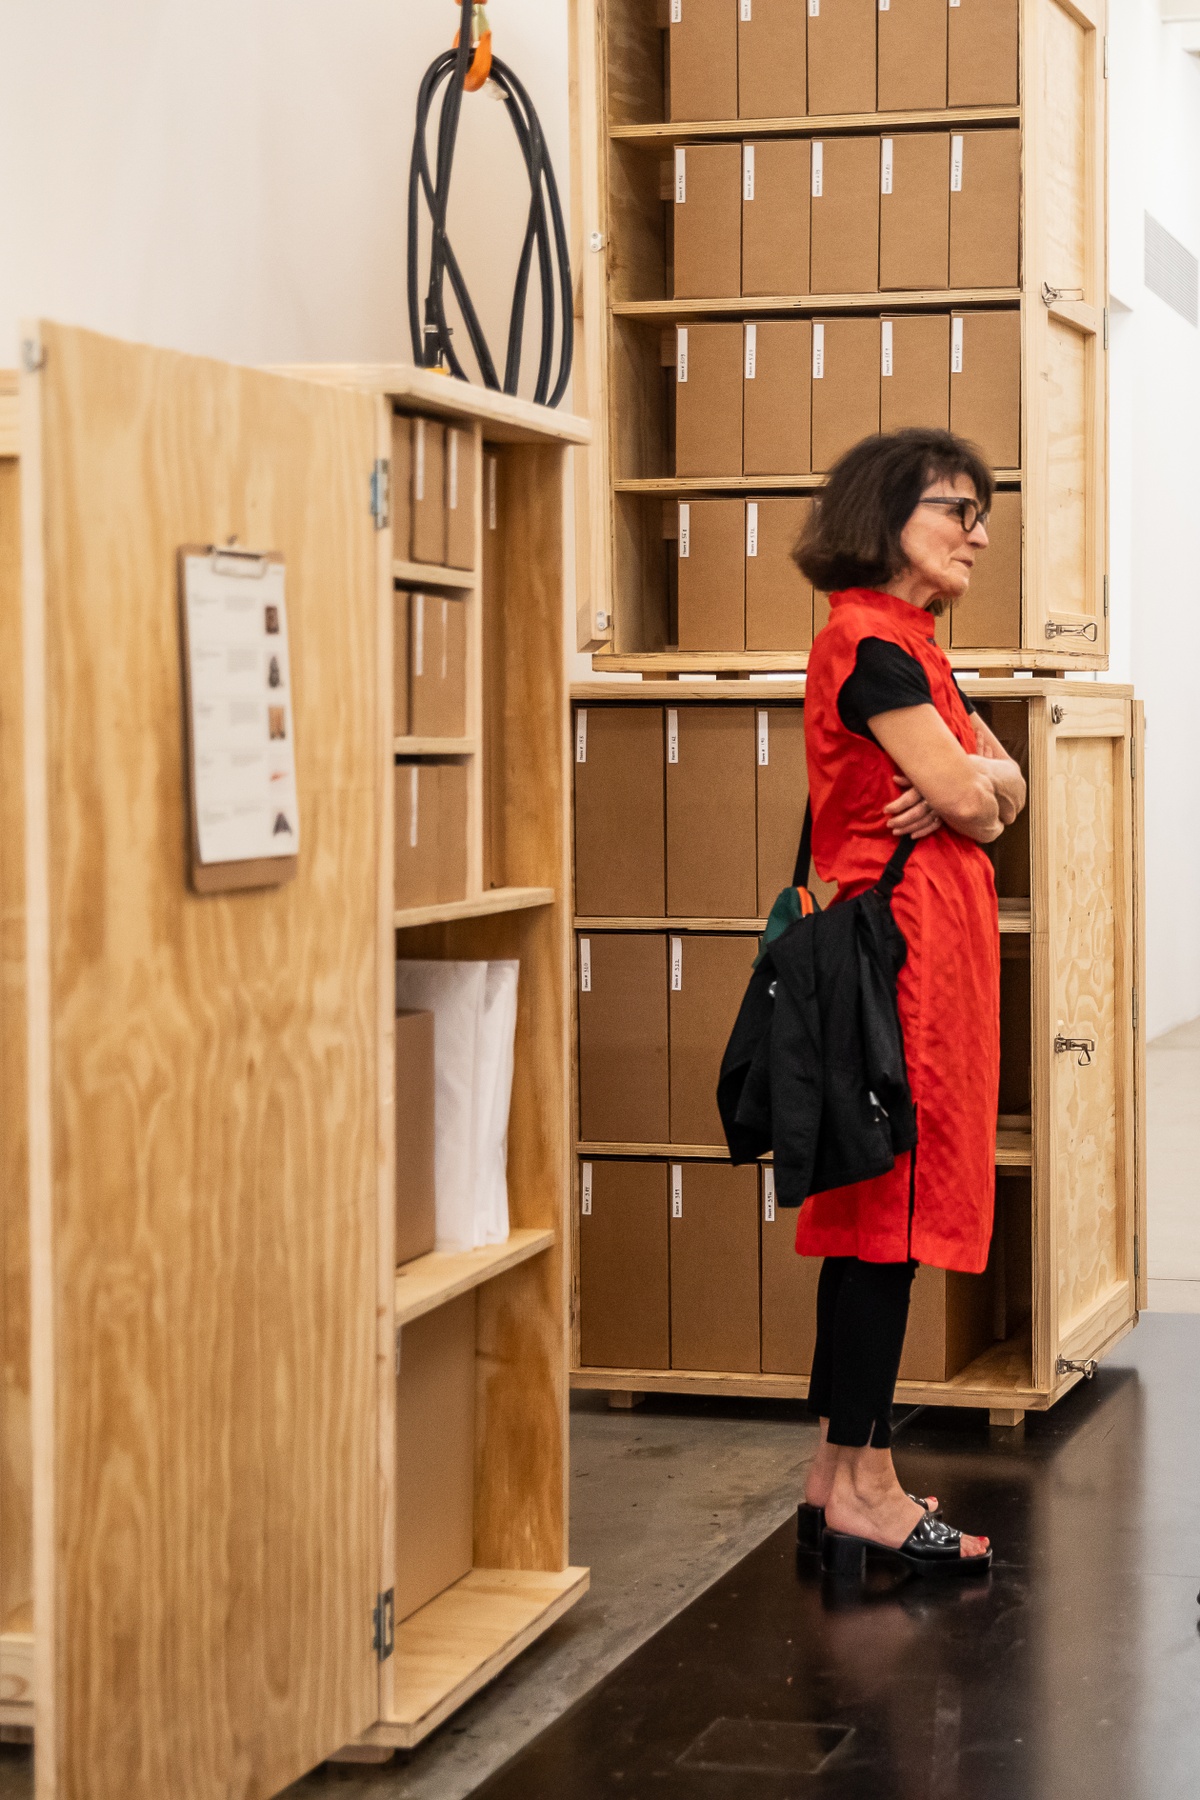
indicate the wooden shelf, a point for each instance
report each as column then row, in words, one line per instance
column 765, row 692
column 433, row 575
column 1014, row 1150
column 481, row 906
column 740, row 306
column 1015, row 917
column 812, row 125
column 434, row 746
column 762, row 662
column 748, row 484
column 430, row 1281
column 505, row 418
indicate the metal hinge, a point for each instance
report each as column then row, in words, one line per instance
column 33, row 357
column 1106, row 56
column 1087, row 1369
column 381, row 492
column 1137, row 1257
column 1087, row 631
column 398, row 1349
column 1065, row 1046
column 1106, row 596
column 384, row 1621
column 1106, row 328
column 1135, row 1009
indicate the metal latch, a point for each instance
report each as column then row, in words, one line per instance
column 1087, row 631
column 1063, row 1046
column 384, row 1620
column 381, row 492
column 1052, row 294
column 1086, row 1369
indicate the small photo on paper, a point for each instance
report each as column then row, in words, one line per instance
column 277, row 722
column 274, row 673
column 272, row 620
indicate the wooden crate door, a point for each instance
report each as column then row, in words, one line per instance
column 203, row 1114
column 1086, row 888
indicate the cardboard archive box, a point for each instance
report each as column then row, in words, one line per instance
column 914, row 371
column 989, row 614
column 950, row 1323
column 772, row 59
column 776, row 207
column 431, row 832
column 435, row 1453
column 620, row 826
column 624, row 1281
column 707, row 221
column 841, row 56
column 622, row 998
column 437, row 661
column 844, row 254
column 912, row 55
column 708, row 399
column 983, row 52
column 714, row 1267
column 400, row 720
column 428, row 491
column 711, row 836
column 789, row 1289
column 914, row 210
column 712, row 575
column 845, row 399
column 401, row 485
column 460, row 498
column 702, row 50
column 416, row 1226
column 781, row 794
column 985, row 209
column 985, row 383
column 777, row 397
column 778, row 596
column 708, row 981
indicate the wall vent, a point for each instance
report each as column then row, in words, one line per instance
column 1172, row 272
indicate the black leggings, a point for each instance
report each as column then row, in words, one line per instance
column 862, row 1314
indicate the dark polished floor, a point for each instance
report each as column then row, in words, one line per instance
column 1071, row 1673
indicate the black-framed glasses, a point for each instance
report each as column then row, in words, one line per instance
column 970, row 513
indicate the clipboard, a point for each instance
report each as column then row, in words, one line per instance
column 239, row 724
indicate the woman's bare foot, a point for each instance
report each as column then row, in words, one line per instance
column 818, row 1484
column 867, row 1501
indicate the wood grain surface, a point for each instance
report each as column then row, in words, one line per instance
column 204, row 1112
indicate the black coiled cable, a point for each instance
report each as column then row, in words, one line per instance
column 545, row 232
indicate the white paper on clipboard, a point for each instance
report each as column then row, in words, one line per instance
column 240, row 688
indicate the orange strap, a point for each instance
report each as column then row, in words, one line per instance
column 480, row 66
column 806, row 903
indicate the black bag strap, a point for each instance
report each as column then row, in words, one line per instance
column 804, row 853
column 885, row 887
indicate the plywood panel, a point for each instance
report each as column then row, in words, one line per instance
column 203, row 1121
column 1066, row 398
column 1063, row 154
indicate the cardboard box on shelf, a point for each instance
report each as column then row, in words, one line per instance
column 707, row 220
column 623, row 1070
column 983, row 53
column 789, row 1289
column 711, row 843
column 914, row 371
column 985, row 209
column 452, row 831
column 912, row 55
column 845, row 215
column 708, row 399
column 400, row 713
column 430, row 832
column 781, row 794
column 776, row 206
column 401, row 486
column 437, row 663
column 703, row 59
column 712, row 575
column 988, row 617
column 777, row 397
column 416, row 1228
column 624, row 1280
column 708, row 980
column 772, row 59
column 778, row 596
column 914, row 210
column 435, row 1461
column 846, row 382
column 985, row 383
column 460, row 498
column 714, row 1267
column 950, row 1323
column 620, row 827
column 841, row 56
column 428, row 491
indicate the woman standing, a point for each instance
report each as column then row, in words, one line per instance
column 894, row 750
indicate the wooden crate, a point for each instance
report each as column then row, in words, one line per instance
column 621, row 143
column 1072, row 1161
column 202, row 1181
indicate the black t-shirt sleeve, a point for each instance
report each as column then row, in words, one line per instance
column 885, row 678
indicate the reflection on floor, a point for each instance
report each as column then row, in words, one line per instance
column 1173, row 1162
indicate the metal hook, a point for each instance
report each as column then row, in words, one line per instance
column 1085, row 1046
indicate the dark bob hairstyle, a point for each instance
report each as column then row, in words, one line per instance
column 852, row 539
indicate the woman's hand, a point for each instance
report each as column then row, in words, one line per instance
column 999, row 768
column 911, row 814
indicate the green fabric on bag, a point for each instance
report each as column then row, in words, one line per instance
column 784, row 912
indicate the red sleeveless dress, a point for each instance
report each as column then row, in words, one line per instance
column 939, row 1209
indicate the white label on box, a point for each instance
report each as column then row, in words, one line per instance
column 886, row 158
column 818, row 169
column 956, row 164
column 814, row 9
column 445, row 640
column 818, row 351
column 585, row 965
column 677, row 965
column 752, row 528
column 885, row 5
column 685, row 530
column 581, row 735
column 747, row 171
column 491, row 488
column 418, row 601
column 586, row 1190
column 751, row 351
column 452, row 474
column 680, row 175
column 414, row 803
column 956, row 346
column 885, row 346
column 676, row 12
column 681, row 353
column 769, row 1174
column 764, row 740
column 677, row 1190
column 956, row 2
column 745, row 11
column 672, row 735
column 419, row 461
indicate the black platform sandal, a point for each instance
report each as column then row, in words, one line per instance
column 810, row 1523
column 931, row 1548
